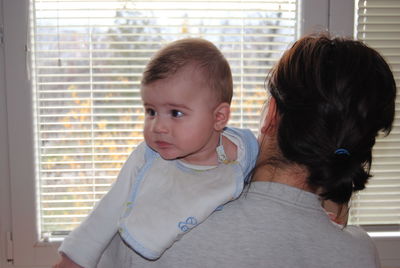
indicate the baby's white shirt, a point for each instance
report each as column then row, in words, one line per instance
column 155, row 201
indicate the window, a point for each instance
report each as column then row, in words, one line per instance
column 378, row 26
column 84, row 60
column 88, row 57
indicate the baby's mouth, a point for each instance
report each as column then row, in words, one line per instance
column 163, row 144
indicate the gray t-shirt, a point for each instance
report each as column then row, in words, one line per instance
column 271, row 225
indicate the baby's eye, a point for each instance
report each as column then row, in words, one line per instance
column 150, row 112
column 176, row 113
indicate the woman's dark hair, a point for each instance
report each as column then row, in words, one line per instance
column 332, row 94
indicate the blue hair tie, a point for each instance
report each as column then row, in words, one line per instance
column 341, row 151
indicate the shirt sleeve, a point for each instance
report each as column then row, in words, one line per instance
column 85, row 244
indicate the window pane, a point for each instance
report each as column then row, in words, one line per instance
column 378, row 26
column 88, row 57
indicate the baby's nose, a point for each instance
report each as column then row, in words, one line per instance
column 160, row 125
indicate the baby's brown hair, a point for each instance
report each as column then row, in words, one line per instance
column 201, row 52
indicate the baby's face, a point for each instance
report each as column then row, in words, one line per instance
column 179, row 116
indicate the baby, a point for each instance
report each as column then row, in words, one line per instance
column 189, row 165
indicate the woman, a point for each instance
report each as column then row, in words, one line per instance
column 329, row 99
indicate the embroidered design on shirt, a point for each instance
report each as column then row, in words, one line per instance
column 188, row 224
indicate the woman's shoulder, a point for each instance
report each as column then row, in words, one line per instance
column 359, row 236
column 360, row 246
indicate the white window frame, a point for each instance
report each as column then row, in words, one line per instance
column 17, row 172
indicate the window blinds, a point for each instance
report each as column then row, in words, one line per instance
column 87, row 59
column 378, row 25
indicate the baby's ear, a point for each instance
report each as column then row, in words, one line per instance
column 221, row 115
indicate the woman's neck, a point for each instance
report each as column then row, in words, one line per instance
column 273, row 168
column 292, row 175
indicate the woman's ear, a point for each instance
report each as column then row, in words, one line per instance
column 270, row 118
column 221, row 116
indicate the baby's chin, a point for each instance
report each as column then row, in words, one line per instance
column 168, row 156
